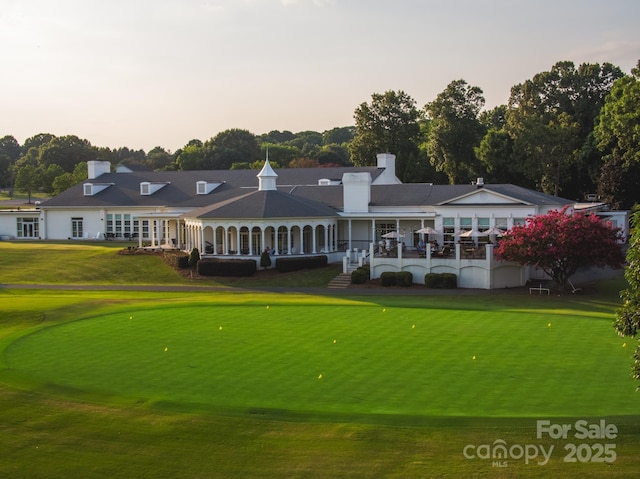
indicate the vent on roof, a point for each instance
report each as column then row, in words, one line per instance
column 328, row 182
column 147, row 188
column 90, row 189
column 205, row 187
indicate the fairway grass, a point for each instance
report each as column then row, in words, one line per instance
column 326, row 356
column 252, row 384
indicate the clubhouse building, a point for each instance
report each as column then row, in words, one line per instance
column 352, row 215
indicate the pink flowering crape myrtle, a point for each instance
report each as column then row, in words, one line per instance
column 560, row 242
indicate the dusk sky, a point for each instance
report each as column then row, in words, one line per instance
column 145, row 73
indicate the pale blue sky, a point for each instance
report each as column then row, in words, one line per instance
column 145, row 73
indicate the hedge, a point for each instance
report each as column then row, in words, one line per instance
column 361, row 275
column 401, row 278
column 441, row 280
column 177, row 260
column 404, row 278
column 226, row 267
column 286, row 265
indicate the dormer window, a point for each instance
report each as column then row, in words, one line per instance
column 147, row 188
column 92, row 189
column 206, row 187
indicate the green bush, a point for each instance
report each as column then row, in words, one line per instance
column 265, row 260
column 404, row 278
column 177, row 260
column 401, row 278
column 194, row 257
column 226, row 267
column 286, row 265
column 361, row 275
column 450, row 281
column 441, row 280
column 388, row 278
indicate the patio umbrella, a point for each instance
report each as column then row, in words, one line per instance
column 494, row 231
column 473, row 234
column 393, row 234
column 428, row 230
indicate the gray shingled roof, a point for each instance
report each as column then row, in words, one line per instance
column 421, row 194
column 266, row 204
column 180, row 189
column 299, row 193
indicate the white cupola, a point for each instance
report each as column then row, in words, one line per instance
column 267, row 177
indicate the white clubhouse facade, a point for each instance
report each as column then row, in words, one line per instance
column 345, row 213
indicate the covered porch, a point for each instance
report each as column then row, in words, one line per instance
column 252, row 238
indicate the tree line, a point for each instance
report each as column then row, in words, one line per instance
column 570, row 131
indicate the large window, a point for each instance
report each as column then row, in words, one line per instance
column 77, row 228
column 449, row 225
column 483, row 225
column 384, row 228
column 502, row 224
column 28, row 228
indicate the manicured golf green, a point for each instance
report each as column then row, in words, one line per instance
column 88, row 390
column 318, row 355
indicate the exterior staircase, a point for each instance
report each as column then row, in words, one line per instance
column 341, row 281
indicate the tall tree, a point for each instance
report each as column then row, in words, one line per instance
column 544, row 111
column 455, row 131
column 338, row 135
column 159, row 159
column 28, row 179
column 390, row 123
column 559, row 243
column 191, row 156
column 617, row 134
column 628, row 316
column 9, row 153
column 67, row 180
column 495, row 152
column 231, row 146
column 66, row 152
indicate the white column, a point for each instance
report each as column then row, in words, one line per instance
column 301, row 239
column 327, row 246
column 313, row 239
column 349, row 245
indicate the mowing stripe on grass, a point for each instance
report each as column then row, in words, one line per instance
column 340, row 357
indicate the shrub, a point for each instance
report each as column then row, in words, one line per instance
column 441, row 280
column 360, row 275
column 388, row 278
column 226, row 267
column 401, row 278
column 285, row 265
column 177, row 260
column 404, row 278
column 449, row 280
column 194, row 257
column 265, row 260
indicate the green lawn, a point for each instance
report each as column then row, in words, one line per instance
column 200, row 384
column 98, row 263
column 319, row 355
